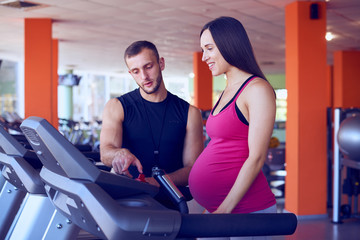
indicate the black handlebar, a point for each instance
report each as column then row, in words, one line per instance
column 171, row 190
column 227, row 225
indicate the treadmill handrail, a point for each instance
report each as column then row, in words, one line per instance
column 231, row 225
column 60, row 156
column 10, row 145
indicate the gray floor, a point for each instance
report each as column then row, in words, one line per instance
column 321, row 227
column 314, row 229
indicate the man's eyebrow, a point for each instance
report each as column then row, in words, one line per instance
column 132, row 69
column 141, row 66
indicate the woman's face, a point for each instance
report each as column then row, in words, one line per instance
column 211, row 54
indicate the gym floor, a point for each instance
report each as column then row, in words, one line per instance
column 321, row 228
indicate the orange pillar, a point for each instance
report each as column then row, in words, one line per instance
column 329, row 86
column 346, row 82
column 306, row 159
column 40, row 97
column 54, row 85
column 202, row 83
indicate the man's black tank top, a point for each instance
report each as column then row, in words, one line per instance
column 140, row 138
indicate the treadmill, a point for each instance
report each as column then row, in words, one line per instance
column 26, row 211
column 112, row 206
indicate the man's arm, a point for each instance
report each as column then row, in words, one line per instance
column 193, row 146
column 111, row 153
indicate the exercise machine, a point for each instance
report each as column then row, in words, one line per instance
column 113, row 206
column 27, row 213
column 346, row 152
column 14, row 190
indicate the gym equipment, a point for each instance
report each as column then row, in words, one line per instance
column 10, row 201
column 27, row 212
column 2, row 179
column 173, row 192
column 81, row 133
column 274, row 170
column 351, row 189
column 113, row 206
column 13, row 191
column 346, row 141
column 348, row 137
column 274, row 142
column 11, row 121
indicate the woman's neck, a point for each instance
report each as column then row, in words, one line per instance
column 235, row 77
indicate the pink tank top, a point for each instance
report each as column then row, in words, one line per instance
column 218, row 166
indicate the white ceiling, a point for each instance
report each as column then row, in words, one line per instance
column 93, row 34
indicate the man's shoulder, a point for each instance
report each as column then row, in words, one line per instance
column 129, row 97
column 131, row 94
column 179, row 105
column 178, row 99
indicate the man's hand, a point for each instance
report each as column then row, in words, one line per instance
column 122, row 161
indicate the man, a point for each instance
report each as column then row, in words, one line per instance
column 150, row 126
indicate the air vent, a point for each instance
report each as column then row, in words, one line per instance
column 20, row 4
column 31, row 135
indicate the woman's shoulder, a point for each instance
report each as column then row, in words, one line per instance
column 260, row 86
column 258, row 90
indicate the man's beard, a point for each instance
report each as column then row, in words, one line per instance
column 156, row 86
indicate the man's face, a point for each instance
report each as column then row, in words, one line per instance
column 146, row 70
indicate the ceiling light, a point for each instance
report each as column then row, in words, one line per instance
column 329, row 36
column 19, row 4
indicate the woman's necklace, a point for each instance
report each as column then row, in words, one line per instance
column 156, row 145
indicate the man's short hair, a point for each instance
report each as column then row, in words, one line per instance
column 136, row 47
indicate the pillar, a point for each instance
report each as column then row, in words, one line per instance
column 329, row 86
column 306, row 159
column 202, row 83
column 65, row 102
column 40, row 95
column 54, row 85
column 346, row 79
